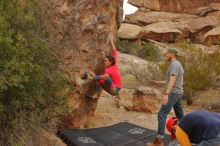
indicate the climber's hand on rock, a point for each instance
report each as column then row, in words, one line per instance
column 90, row 77
column 91, row 72
column 110, row 40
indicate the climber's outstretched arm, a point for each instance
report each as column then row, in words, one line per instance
column 112, row 44
column 114, row 52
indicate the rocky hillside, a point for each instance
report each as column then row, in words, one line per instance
column 78, row 32
column 195, row 21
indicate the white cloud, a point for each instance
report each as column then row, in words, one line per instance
column 128, row 8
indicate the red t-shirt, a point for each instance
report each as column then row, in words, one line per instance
column 113, row 72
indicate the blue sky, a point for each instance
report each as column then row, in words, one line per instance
column 128, row 9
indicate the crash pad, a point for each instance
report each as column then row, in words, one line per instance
column 121, row 134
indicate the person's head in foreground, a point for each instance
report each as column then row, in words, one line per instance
column 200, row 127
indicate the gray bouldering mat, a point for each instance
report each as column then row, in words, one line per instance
column 122, row 134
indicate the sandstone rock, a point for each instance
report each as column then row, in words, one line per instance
column 149, row 4
column 215, row 14
column 199, row 23
column 149, row 91
column 168, row 35
column 174, row 20
column 119, row 13
column 137, row 3
column 215, row 6
column 165, row 31
column 129, row 31
column 78, row 35
column 142, row 19
column 204, row 11
column 140, row 99
column 178, row 6
column 183, row 6
column 200, row 26
column 126, row 98
column 142, row 9
column 122, row 108
column 127, row 63
column 212, row 36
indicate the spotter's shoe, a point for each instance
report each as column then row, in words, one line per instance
column 157, row 142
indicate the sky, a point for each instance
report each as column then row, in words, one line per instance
column 128, row 9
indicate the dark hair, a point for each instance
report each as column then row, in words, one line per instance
column 111, row 59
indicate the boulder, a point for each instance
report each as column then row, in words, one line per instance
column 203, row 11
column 126, row 98
column 143, row 19
column 184, row 6
column 140, row 99
column 137, row 3
column 142, row 9
column 176, row 6
column 174, row 20
column 206, row 10
column 200, row 26
column 215, row 14
column 212, row 36
column 129, row 31
column 79, row 33
column 215, row 6
column 199, row 23
column 163, row 31
column 161, row 34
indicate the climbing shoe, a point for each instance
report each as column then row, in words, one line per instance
column 85, row 76
column 90, row 97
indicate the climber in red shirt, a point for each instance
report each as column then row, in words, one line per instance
column 110, row 81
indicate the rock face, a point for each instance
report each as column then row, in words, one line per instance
column 212, row 37
column 149, row 4
column 174, row 20
column 179, row 6
column 129, row 31
column 143, row 19
column 163, row 31
column 78, row 35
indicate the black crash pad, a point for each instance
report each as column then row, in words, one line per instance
column 122, row 134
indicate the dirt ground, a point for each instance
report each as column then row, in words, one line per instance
column 108, row 112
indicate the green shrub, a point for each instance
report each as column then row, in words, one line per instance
column 126, row 46
column 144, row 50
column 149, row 51
column 31, row 84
